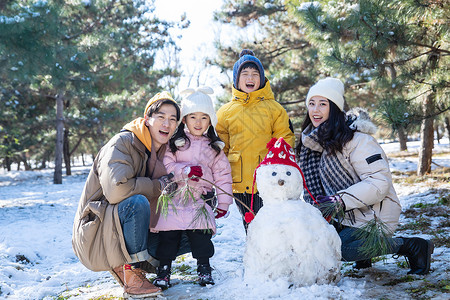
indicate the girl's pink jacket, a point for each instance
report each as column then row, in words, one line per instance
column 216, row 169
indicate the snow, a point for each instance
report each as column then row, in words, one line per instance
column 37, row 261
column 308, row 5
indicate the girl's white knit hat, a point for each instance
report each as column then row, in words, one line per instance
column 197, row 100
column 330, row 88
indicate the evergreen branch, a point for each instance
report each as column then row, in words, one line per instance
column 201, row 214
column 392, row 40
column 352, row 63
column 163, row 203
column 375, row 237
column 166, row 199
column 375, row 234
column 226, row 193
column 332, row 210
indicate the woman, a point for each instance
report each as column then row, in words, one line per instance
column 345, row 167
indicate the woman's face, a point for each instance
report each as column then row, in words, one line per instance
column 318, row 110
column 197, row 123
column 162, row 125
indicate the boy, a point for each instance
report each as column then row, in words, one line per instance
column 247, row 123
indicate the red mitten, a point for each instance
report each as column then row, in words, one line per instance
column 219, row 213
column 193, row 172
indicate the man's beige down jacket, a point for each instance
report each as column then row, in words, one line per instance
column 118, row 172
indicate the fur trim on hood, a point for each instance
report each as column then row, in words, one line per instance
column 358, row 119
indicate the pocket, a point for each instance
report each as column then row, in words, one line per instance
column 92, row 217
column 235, row 160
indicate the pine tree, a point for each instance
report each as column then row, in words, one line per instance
column 404, row 43
column 93, row 59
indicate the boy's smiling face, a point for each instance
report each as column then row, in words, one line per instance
column 249, row 80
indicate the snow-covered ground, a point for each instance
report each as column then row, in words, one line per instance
column 37, row 261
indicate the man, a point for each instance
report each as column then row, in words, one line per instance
column 118, row 204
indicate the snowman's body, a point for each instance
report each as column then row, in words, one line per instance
column 289, row 238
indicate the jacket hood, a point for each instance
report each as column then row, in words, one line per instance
column 138, row 127
column 358, row 119
column 264, row 93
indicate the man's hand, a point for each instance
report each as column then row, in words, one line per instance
column 167, row 185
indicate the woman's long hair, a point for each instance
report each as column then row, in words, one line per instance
column 180, row 134
column 333, row 134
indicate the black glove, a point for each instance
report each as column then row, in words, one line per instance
column 167, row 185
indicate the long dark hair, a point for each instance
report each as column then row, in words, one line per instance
column 180, row 134
column 333, row 134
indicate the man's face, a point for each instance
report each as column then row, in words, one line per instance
column 249, row 80
column 162, row 125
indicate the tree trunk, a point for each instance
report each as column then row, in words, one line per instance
column 26, row 165
column 402, row 138
column 447, row 125
column 57, row 178
column 66, row 152
column 8, row 164
column 438, row 136
column 426, row 136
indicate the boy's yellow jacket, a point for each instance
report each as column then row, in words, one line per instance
column 246, row 124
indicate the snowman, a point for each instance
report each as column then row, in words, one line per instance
column 288, row 239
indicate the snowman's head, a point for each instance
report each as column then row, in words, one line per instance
column 278, row 182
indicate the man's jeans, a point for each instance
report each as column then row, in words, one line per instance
column 351, row 245
column 134, row 215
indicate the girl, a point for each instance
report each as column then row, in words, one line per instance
column 195, row 151
column 341, row 160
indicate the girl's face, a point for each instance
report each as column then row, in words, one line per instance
column 162, row 125
column 197, row 123
column 318, row 110
column 249, row 80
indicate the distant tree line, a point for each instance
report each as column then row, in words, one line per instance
column 73, row 72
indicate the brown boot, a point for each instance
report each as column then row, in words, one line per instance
column 117, row 273
column 136, row 285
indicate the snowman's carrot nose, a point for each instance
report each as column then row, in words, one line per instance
column 281, row 182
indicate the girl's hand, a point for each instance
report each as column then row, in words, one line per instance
column 193, row 172
column 219, row 213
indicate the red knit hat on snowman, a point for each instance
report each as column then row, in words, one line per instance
column 280, row 153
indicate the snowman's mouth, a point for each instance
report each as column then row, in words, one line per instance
column 281, row 182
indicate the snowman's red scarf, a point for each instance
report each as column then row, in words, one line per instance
column 249, row 216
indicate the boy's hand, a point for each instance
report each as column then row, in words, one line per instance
column 193, row 172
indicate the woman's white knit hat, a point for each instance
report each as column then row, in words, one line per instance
column 330, row 88
column 197, row 100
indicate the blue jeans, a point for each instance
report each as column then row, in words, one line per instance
column 351, row 245
column 134, row 215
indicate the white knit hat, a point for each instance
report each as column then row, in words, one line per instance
column 330, row 88
column 197, row 100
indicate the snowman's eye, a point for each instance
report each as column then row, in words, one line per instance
column 274, row 173
column 288, row 173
